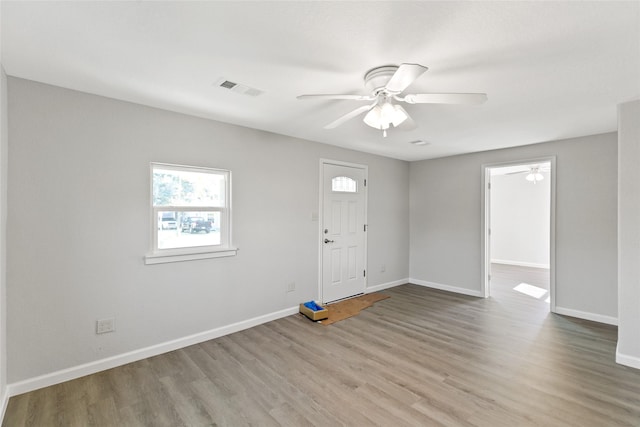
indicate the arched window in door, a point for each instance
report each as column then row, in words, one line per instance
column 344, row 184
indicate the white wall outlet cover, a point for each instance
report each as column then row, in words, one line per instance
column 105, row 325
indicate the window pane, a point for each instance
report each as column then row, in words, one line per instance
column 186, row 188
column 188, row 229
column 344, row 184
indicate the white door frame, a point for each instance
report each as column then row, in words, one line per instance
column 485, row 218
column 321, row 213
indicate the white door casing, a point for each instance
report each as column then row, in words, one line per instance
column 343, row 235
column 485, row 218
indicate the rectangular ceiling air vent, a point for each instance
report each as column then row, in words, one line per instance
column 227, row 84
column 238, row 87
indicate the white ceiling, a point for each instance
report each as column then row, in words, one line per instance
column 551, row 69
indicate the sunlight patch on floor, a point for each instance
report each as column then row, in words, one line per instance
column 530, row 290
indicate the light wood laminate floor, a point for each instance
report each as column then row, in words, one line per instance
column 507, row 279
column 422, row 357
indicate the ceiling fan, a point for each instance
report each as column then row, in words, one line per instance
column 386, row 84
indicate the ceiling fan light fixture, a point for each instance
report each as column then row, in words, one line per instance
column 534, row 176
column 374, row 117
column 397, row 115
column 387, row 111
column 384, row 115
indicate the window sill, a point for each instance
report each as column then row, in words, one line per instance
column 177, row 257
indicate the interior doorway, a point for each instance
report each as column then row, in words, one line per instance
column 519, row 232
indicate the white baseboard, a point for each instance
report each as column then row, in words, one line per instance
column 387, row 285
column 587, row 316
column 447, row 288
column 135, row 355
column 519, row 263
column 4, row 403
column 624, row 359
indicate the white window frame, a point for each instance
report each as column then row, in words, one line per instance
column 347, row 179
column 225, row 248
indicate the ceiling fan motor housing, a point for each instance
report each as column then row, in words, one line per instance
column 377, row 78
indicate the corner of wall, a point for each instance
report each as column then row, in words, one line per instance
column 628, row 349
column 4, row 398
column 4, row 401
column 626, row 360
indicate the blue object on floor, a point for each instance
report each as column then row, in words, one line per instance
column 311, row 305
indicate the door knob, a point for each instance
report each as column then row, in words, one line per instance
column 328, row 241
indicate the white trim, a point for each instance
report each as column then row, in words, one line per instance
column 600, row 318
column 341, row 163
column 485, row 218
column 387, row 285
column 485, row 242
column 519, row 263
column 365, row 168
column 448, row 288
column 4, row 403
column 160, row 258
column 143, row 353
column 320, row 229
column 225, row 226
column 624, row 359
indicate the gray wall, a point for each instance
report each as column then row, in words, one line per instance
column 520, row 220
column 628, row 351
column 79, row 217
column 445, row 198
column 3, row 233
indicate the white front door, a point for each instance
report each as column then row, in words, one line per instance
column 343, row 231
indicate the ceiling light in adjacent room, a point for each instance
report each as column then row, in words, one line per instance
column 534, row 175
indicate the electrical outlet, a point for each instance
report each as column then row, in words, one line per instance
column 291, row 287
column 105, row 325
column 383, row 268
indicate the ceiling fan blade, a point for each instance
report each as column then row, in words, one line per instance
column 348, row 116
column 516, row 173
column 445, row 98
column 408, row 123
column 338, row 96
column 404, row 76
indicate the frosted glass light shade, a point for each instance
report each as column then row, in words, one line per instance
column 381, row 116
column 374, row 118
column 398, row 116
column 534, row 177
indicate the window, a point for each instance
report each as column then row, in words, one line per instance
column 190, row 213
column 343, row 184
